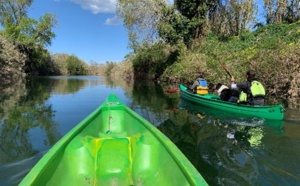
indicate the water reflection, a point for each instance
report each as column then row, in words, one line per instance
column 25, row 114
column 220, row 146
column 226, row 150
column 64, row 84
column 150, row 101
column 27, row 126
column 127, row 86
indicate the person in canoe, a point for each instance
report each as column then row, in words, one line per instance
column 200, row 85
column 252, row 91
column 227, row 94
column 223, row 91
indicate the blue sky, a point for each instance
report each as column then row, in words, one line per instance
column 88, row 29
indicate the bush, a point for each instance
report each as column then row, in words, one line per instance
column 75, row 66
column 151, row 61
column 11, row 62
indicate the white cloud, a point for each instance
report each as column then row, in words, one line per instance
column 113, row 21
column 97, row 6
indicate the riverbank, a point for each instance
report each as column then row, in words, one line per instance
column 272, row 51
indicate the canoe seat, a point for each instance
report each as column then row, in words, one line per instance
column 113, row 161
column 112, row 154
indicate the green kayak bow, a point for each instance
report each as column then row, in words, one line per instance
column 114, row 146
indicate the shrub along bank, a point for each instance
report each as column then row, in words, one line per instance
column 11, row 62
column 273, row 51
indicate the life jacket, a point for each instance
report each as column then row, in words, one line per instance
column 242, row 97
column 202, row 87
column 255, row 90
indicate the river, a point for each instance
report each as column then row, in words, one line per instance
column 38, row 112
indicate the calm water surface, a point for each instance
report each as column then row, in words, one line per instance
column 226, row 151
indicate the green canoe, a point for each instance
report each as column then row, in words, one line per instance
column 213, row 101
column 114, row 146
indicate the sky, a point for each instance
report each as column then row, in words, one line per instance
column 88, row 29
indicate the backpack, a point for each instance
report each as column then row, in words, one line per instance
column 202, row 83
column 257, row 89
column 202, row 88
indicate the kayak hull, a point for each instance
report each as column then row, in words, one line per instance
column 114, row 146
column 271, row 112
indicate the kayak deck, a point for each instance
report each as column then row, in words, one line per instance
column 114, row 146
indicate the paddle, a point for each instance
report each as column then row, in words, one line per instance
column 224, row 67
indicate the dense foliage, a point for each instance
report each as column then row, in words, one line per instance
column 197, row 36
column 150, row 62
column 272, row 51
column 75, row 66
column 30, row 36
column 11, row 62
column 186, row 22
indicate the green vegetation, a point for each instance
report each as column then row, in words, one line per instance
column 192, row 36
column 11, row 62
column 272, row 51
column 28, row 35
column 75, row 66
column 151, row 61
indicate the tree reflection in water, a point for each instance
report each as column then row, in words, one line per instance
column 23, row 111
column 217, row 144
column 27, row 125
